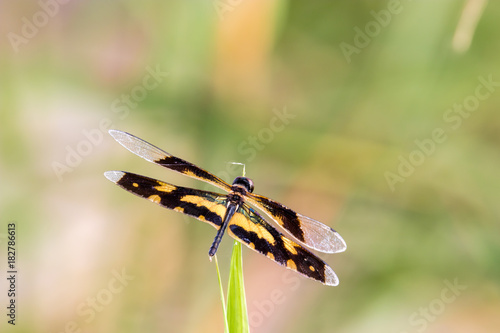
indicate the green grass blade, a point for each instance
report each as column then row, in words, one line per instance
column 237, row 315
column 222, row 296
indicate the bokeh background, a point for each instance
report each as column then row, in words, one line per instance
column 374, row 117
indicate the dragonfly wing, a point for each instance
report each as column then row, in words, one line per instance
column 154, row 154
column 306, row 230
column 206, row 206
column 249, row 228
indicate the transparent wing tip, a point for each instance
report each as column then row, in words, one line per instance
column 138, row 146
column 331, row 278
column 324, row 239
column 114, row 176
column 338, row 242
column 332, row 243
column 119, row 136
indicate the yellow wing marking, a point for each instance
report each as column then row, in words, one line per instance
column 291, row 264
column 200, row 201
column 165, row 187
column 155, row 198
column 242, row 221
column 190, row 173
column 289, row 245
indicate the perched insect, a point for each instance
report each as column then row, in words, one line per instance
column 231, row 211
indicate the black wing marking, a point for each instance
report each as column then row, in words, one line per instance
column 311, row 233
column 205, row 206
column 154, row 154
column 308, row 231
column 249, row 228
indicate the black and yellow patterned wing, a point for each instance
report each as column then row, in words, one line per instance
column 154, row 154
column 206, row 206
column 306, row 230
column 249, row 228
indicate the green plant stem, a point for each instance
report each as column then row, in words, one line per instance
column 237, row 314
column 222, row 296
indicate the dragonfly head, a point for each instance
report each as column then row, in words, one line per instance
column 244, row 182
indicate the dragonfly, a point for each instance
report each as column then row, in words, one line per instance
column 231, row 212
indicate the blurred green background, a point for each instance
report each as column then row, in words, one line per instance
column 374, row 117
